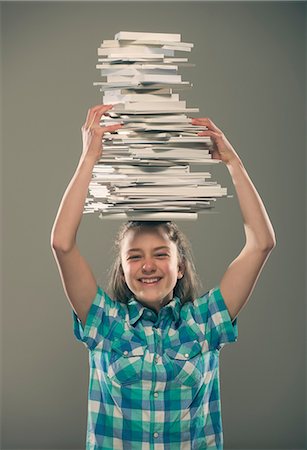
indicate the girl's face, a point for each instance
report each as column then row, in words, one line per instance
column 151, row 266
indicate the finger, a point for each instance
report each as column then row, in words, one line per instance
column 205, row 121
column 97, row 115
column 92, row 112
column 209, row 133
column 111, row 128
column 197, row 121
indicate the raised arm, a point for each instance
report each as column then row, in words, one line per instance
column 241, row 276
column 77, row 277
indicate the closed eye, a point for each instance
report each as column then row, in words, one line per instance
column 157, row 255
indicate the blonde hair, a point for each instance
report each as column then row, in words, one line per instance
column 187, row 287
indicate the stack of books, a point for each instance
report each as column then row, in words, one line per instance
column 145, row 171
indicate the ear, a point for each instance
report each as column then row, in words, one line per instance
column 180, row 271
column 122, row 273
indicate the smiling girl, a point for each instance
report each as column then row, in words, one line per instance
column 154, row 342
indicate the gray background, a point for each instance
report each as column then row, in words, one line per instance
column 250, row 80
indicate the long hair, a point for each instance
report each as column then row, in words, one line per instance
column 187, row 287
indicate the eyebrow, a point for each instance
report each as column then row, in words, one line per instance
column 139, row 249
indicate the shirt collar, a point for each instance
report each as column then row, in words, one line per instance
column 136, row 309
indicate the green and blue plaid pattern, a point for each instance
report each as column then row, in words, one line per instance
column 154, row 378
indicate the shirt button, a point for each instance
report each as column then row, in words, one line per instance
column 126, row 352
column 156, row 434
column 156, row 394
column 186, row 355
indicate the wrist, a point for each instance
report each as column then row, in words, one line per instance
column 87, row 161
column 234, row 162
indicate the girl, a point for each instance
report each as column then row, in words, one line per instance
column 154, row 349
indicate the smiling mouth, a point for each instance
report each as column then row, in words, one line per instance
column 150, row 282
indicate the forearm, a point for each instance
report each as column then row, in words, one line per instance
column 259, row 231
column 70, row 212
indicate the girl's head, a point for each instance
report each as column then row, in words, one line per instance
column 153, row 264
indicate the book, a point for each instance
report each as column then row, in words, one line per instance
column 147, row 167
column 143, row 77
column 135, row 51
column 149, row 216
column 136, row 35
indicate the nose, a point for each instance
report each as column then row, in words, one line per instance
column 149, row 266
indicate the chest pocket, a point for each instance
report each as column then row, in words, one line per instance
column 126, row 361
column 186, row 364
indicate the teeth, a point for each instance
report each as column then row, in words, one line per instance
column 153, row 280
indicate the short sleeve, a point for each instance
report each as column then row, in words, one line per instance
column 98, row 322
column 211, row 311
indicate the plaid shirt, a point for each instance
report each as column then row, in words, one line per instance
column 154, row 378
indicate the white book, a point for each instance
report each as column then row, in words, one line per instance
column 178, row 118
column 179, row 62
column 142, row 90
column 141, row 50
column 149, row 59
column 117, row 43
column 135, row 72
column 174, row 128
column 141, row 127
column 140, row 106
column 205, row 191
column 149, row 216
column 188, row 153
column 163, row 205
column 170, row 157
column 177, row 203
column 117, row 67
column 204, row 139
column 178, row 48
column 133, row 35
column 139, row 85
column 139, row 97
column 150, row 44
column 140, row 77
column 185, row 45
column 141, row 170
column 121, row 200
column 157, row 160
column 145, row 167
column 110, row 43
column 124, row 84
column 151, row 179
column 175, row 60
column 190, row 139
column 160, row 111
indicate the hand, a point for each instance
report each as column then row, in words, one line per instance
column 92, row 132
column 222, row 149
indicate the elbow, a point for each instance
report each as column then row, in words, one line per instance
column 268, row 247
column 60, row 246
column 272, row 242
column 264, row 246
